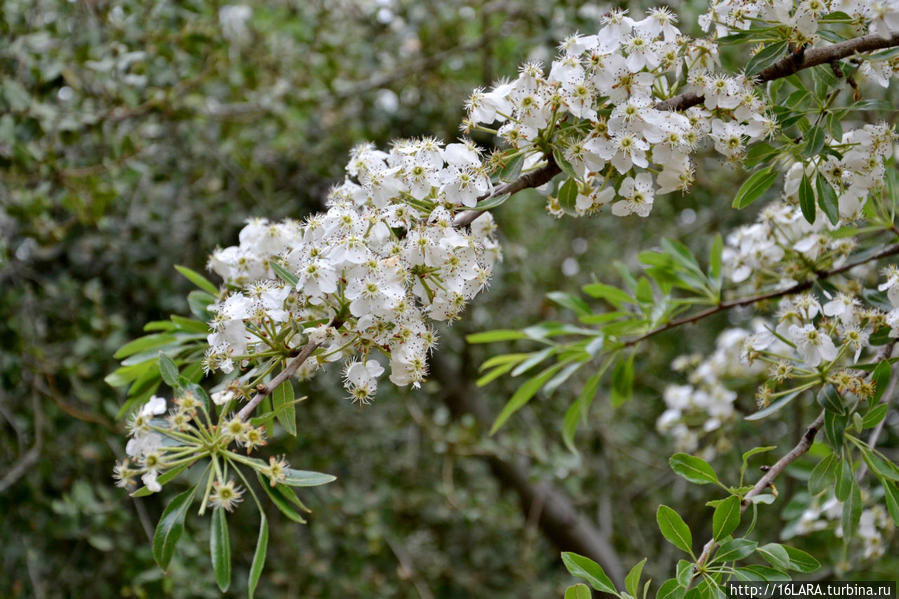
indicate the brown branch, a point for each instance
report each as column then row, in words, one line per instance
column 797, row 288
column 302, row 354
column 799, row 450
column 534, row 178
column 793, row 63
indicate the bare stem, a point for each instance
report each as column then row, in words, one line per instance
column 302, row 355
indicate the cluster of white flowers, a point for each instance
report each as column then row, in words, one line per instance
column 598, row 103
column 705, row 405
column 880, row 17
column 778, row 249
column 382, row 260
column 826, row 511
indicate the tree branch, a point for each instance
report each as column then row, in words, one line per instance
column 797, row 288
column 793, row 63
column 782, row 68
column 534, row 178
column 800, row 449
column 302, row 354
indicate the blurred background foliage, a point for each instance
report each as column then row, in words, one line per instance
column 135, row 136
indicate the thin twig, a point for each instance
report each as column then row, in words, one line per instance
column 792, row 63
column 264, row 391
column 797, row 288
column 783, row 68
column 800, row 449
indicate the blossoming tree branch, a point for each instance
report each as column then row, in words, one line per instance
column 612, row 126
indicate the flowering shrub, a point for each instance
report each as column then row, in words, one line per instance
column 407, row 240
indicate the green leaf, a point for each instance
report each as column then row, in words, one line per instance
column 610, row 293
column 696, row 470
column 670, row 589
column 523, row 395
column 776, row 555
column 891, row 497
column 754, row 187
column 824, row 474
column 568, row 194
column 726, row 517
column 281, row 502
column 715, row 261
column 834, row 427
column 735, row 549
column 572, row 302
column 852, row 510
column 586, row 568
column 199, row 301
column 198, row 280
column 827, row 199
column 162, row 479
column 814, row 142
column 284, row 274
column 578, row 408
column 147, row 342
column 220, row 548
column 534, row 359
column 765, row 58
column 674, row 529
column 801, row 561
column 875, row 415
column 881, row 379
column 563, row 163
column 759, row 153
column 632, row 580
column 170, row 527
column 830, row 400
column 495, row 335
column 578, row 591
column 807, row 199
column 284, row 407
column 777, row 406
column 879, row 464
column 258, row 556
column 844, row 479
column 622, row 381
column 168, row 370
column 307, row 478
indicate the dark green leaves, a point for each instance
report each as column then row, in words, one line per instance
column 168, row 370
column 765, row 58
column 622, row 381
column 726, row 517
column 586, row 568
column 220, row 548
column 827, row 199
column 523, row 395
column 754, row 187
column 284, row 407
column 170, row 527
column 696, row 470
column 198, row 280
column 674, row 529
column 807, row 199
column 307, row 478
column 258, row 556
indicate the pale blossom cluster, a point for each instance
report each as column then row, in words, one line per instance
column 803, row 19
column 697, row 413
column 599, row 104
column 778, row 248
column 364, row 278
column 824, row 512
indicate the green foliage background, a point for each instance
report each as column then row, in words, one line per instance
column 135, row 136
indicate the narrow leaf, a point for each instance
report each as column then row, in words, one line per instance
column 220, row 548
column 632, row 580
column 284, row 407
column 523, row 395
column 726, row 517
column 674, row 529
column 801, row 561
column 198, row 280
column 307, row 478
column 168, row 370
column 696, row 470
column 258, row 556
column 807, row 199
column 170, row 527
column 754, row 187
column 586, row 568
